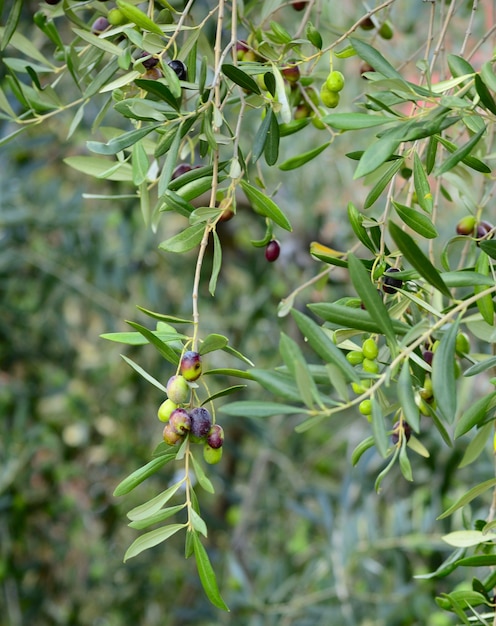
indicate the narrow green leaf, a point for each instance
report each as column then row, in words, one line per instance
column 481, row 367
column 172, row 201
column 151, row 539
column 133, row 14
column 467, row 278
column 374, row 58
column 155, row 504
column 478, row 560
column 406, row 397
column 355, row 219
column 100, row 168
column 417, row 259
column 469, row 160
column 98, row 42
column 322, row 344
column 485, row 302
column 11, row 24
column 476, row 413
column 297, row 161
column 241, row 78
column 261, row 136
column 488, row 75
column 418, row 222
column 230, row 371
column 201, row 477
column 141, row 474
column 271, row 150
column 216, row 263
column 144, row 374
column 466, row 538
column 296, row 364
column 207, row 574
column 222, row 393
column 348, row 317
column 166, row 351
column 421, row 183
column 198, row 523
column 213, row 342
column 277, row 383
column 484, row 94
column 376, row 154
column 170, row 163
column 461, row 153
column 257, row 409
column 121, row 142
column 405, row 466
column 158, row 89
column 371, row 300
column 443, row 373
column 157, row 518
column 186, row 240
column 489, row 247
column 380, row 185
column 379, row 428
column 355, row 121
column 265, row 205
column 477, row 445
column 360, row 449
column 139, row 160
column 137, row 339
column 172, row 319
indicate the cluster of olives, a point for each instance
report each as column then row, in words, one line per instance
column 181, row 420
column 469, row 226
column 366, row 359
column 329, row 92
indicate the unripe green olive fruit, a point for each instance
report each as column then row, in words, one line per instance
column 329, row 98
column 191, row 366
column 178, row 389
column 386, row 30
column 335, row 81
column 365, row 407
column 355, row 357
column 462, row 343
column 359, row 388
column 426, row 392
column 165, row 410
column 317, row 122
column 370, row 366
column 212, row 455
column 370, row 349
column 116, row 17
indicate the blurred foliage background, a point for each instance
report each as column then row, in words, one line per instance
column 297, row 535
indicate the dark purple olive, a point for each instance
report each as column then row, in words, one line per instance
column 179, row 68
column 428, row 355
column 148, row 62
column 201, row 422
column 272, row 251
column 391, row 284
column 181, row 169
column 52, row 1
column 397, row 429
column 100, row 24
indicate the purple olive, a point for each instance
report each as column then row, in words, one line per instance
column 272, row 251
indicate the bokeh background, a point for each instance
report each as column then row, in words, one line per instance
column 298, row 536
